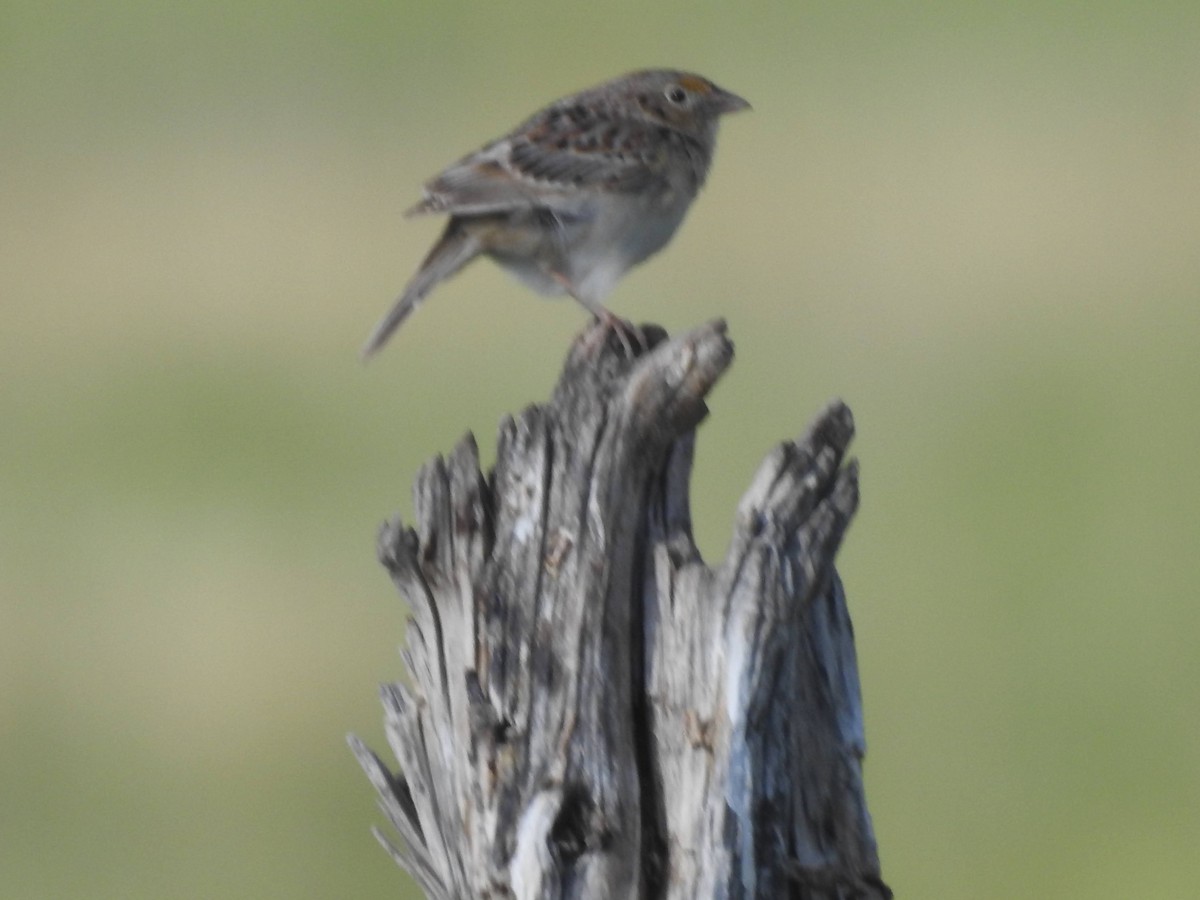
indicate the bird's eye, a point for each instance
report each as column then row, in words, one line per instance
column 676, row 94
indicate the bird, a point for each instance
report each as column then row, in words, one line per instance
column 576, row 195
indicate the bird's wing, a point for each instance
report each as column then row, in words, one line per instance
column 547, row 160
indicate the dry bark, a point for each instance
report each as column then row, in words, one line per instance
column 593, row 711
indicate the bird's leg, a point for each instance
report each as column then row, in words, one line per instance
column 627, row 333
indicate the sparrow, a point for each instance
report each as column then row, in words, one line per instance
column 576, row 195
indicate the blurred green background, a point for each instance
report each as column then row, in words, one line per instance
column 979, row 224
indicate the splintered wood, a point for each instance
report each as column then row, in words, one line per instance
column 593, row 711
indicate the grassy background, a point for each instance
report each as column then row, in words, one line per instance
column 977, row 223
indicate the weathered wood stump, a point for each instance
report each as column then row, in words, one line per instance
column 594, row 712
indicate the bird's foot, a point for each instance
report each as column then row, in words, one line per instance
column 632, row 340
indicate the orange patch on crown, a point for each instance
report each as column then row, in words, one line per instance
column 695, row 84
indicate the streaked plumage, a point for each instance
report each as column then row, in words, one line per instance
column 577, row 194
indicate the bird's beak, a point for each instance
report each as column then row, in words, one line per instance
column 727, row 102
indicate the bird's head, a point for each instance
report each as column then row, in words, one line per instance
column 680, row 100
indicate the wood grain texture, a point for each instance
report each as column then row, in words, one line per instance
column 593, row 711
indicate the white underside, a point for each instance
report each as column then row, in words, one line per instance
column 598, row 242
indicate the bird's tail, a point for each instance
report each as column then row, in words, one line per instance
column 454, row 249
